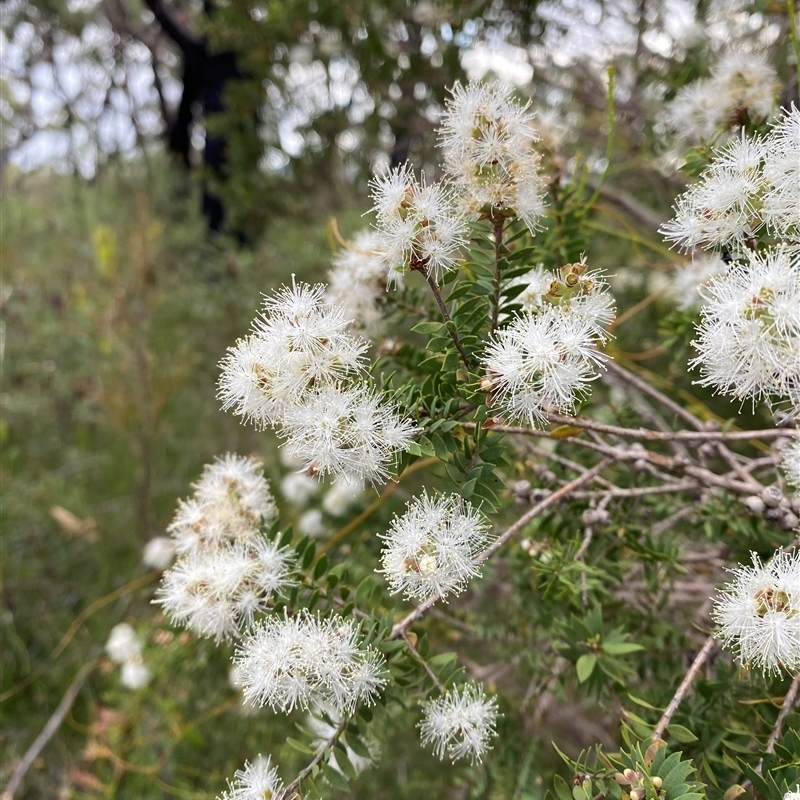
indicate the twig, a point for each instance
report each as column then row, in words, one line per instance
column 288, row 791
column 788, row 702
column 687, row 681
column 48, row 731
column 448, row 323
column 401, row 627
column 497, row 224
column 420, row 660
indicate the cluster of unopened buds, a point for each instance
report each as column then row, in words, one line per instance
column 774, row 506
column 636, row 784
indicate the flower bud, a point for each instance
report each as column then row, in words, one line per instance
column 772, row 496
column 755, row 505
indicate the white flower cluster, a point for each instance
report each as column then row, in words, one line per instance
column 752, row 183
column 305, row 660
column 418, row 226
column 742, row 87
column 158, row 553
column 547, row 357
column 689, row 278
column 231, row 501
column 358, row 280
column 460, row 723
column 300, row 370
column 489, row 147
column 430, row 551
column 759, row 613
column 748, row 339
column 123, row 647
column 791, row 463
column 257, row 781
column 227, row 571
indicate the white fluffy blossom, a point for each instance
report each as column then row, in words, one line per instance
column 721, row 209
column 759, row 613
column 742, row 87
column 257, row 781
column 341, row 496
column 358, row 281
column 795, row 795
column 544, row 361
column 689, row 277
column 305, row 660
column 218, row 591
column 299, row 342
column 791, row 463
column 749, row 335
column 158, row 552
column 781, row 203
column 460, row 723
column 232, row 500
column 298, row 488
column 430, row 551
column 418, row 225
column 125, row 648
column 489, row 147
column 346, row 431
column 123, row 644
column 134, row 673
column 312, row 524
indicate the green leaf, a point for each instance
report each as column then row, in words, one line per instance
column 621, row 648
column 428, row 327
column 335, row 778
column 562, row 788
column 299, row 746
column 681, row 734
column 585, row 666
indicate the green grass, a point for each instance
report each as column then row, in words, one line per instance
column 116, row 310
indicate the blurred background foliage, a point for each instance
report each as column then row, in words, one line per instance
column 117, row 303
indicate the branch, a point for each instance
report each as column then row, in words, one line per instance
column 287, row 792
column 48, row 731
column 788, row 702
column 187, row 41
column 687, row 681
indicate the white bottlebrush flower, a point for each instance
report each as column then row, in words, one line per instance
column 298, row 489
column 312, row 524
column 488, row 142
column 748, row 339
column 232, row 500
column 299, row 342
column 791, row 463
column 684, row 289
column 742, row 87
column 158, row 553
column 134, row 674
column 341, row 496
column 781, row 203
column 696, row 114
column 460, row 723
column 358, row 282
column 217, row 592
column 305, row 660
column 430, row 551
column 257, row 781
column 722, row 208
column 123, row 644
column 745, row 83
column 543, row 362
column 758, row 614
column 418, row 226
column 346, row 431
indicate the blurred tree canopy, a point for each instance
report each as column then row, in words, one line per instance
column 316, row 95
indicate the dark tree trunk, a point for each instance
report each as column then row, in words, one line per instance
column 205, row 76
